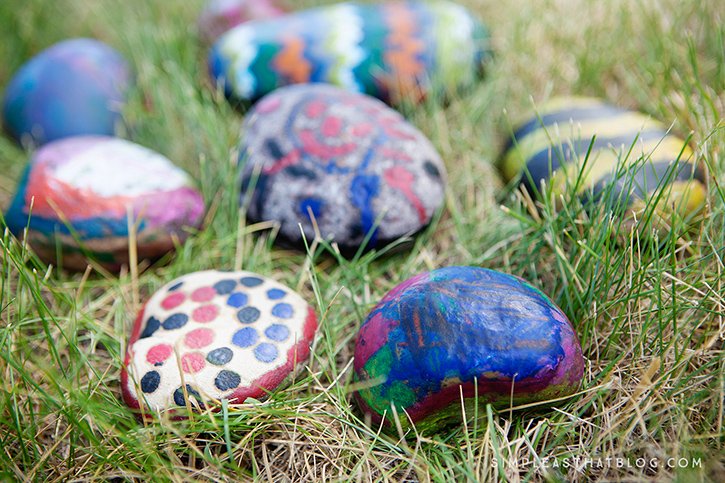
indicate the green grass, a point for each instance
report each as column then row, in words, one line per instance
column 647, row 307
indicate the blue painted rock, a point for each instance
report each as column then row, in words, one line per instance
column 554, row 150
column 465, row 329
column 387, row 50
column 81, row 190
column 343, row 159
column 73, row 88
column 215, row 335
column 219, row 16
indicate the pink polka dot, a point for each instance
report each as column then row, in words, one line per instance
column 205, row 313
column 315, row 108
column 331, row 126
column 159, row 353
column 192, row 363
column 199, row 338
column 173, row 301
column 203, row 294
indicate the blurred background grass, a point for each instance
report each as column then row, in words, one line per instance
column 649, row 311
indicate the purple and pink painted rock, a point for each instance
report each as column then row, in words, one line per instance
column 76, row 87
column 463, row 329
column 218, row 16
column 345, row 160
column 81, row 189
column 213, row 335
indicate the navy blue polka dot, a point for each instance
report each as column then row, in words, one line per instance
column 251, row 281
column 275, row 294
column 248, row 315
column 237, row 299
column 152, row 325
column 175, row 286
column 265, row 352
column 220, row 356
column 150, row 381
column 225, row 287
column 277, row 332
column 245, row 337
column 179, row 395
column 283, row 311
column 226, row 380
column 175, row 321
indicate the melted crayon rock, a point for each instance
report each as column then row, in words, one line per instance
column 214, row 335
column 489, row 336
column 76, row 87
column 388, row 50
column 219, row 16
column 319, row 155
column 633, row 159
column 77, row 192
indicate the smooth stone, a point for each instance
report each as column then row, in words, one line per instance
column 76, row 87
column 388, row 50
column 218, row 16
column 81, row 189
column 346, row 160
column 463, row 330
column 221, row 335
column 670, row 166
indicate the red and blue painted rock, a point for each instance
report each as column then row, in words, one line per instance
column 343, row 159
column 214, row 335
column 463, row 329
column 219, row 16
column 633, row 158
column 76, row 87
column 81, row 189
column 388, row 50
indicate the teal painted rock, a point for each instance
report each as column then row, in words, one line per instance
column 469, row 329
column 388, row 50
column 551, row 147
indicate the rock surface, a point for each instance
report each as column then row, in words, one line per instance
column 215, row 335
column 343, row 159
column 463, row 329
column 82, row 188
column 659, row 163
column 76, row 87
column 388, row 50
column 219, row 16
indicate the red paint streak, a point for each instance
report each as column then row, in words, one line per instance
column 205, row 313
column 196, row 339
column 268, row 105
column 391, row 131
column 192, row 363
column 173, row 301
column 203, row 294
column 316, row 148
column 362, row 129
column 394, row 154
column 293, row 157
column 418, row 330
column 159, row 353
column 331, row 126
column 402, row 179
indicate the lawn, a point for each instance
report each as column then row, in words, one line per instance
column 647, row 301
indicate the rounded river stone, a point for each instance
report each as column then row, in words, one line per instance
column 219, row 16
column 76, row 87
column 633, row 159
column 489, row 335
column 388, row 50
column 214, row 335
column 345, row 160
column 81, row 190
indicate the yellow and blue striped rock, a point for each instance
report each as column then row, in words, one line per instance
column 386, row 50
column 633, row 158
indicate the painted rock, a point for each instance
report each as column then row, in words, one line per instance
column 345, row 160
column 554, row 150
column 216, row 335
column 219, row 16
column 490, row 335
column 81, row 189
column 387, row 50
column 75, row 87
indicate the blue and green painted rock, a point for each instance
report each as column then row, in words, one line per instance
column 387, row 50
column 632, row 160
column 492, row 336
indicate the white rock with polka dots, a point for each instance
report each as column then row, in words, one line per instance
column 214, row 335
